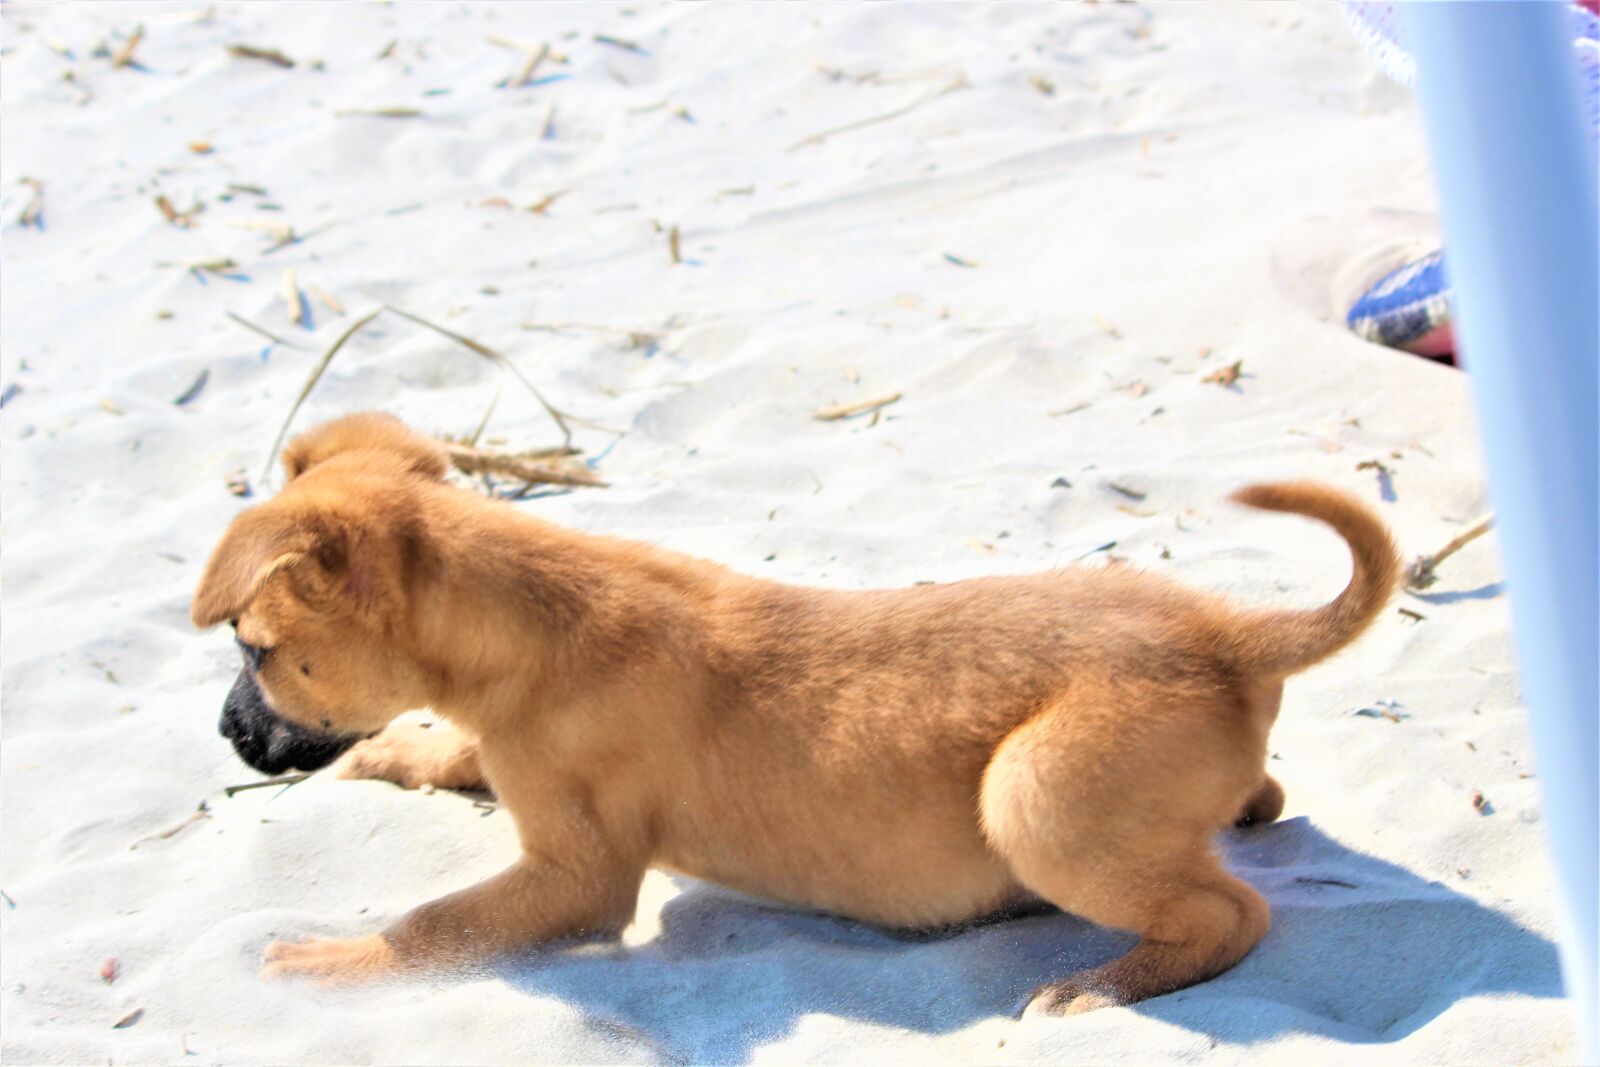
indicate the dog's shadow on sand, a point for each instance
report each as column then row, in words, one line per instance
column 1360, row 951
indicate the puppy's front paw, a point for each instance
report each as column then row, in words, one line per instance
column 1065, row 998
column 410, row 756
column 383, row 759
column 332, row 961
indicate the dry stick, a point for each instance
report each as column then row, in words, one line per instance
column 29, row 216
column 379, row 112
column 311, row 382
column 845, row 411
column 483, row 423
column 1420, row 574
column 203, row 813
column 490, row 354
column 470, row 460
column 818, row 138
column 124, row 54
column 291, row 298
column 287, row 779
column 268, row 334
column 250, row 51
column 525, row 75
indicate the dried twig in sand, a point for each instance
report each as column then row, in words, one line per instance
column 124, row 55
column 523, row 467
column 202, row 812
column 293, row 302
column 850, row 411
column 250, row 51
column 328, row 299
column 286, row 779
column 675, row 245
column 960, row 82
column 379, row 112
column 33, row 211
column 560, row 417
column 1420, row 575
column 490, row 354
column 185, row 219
column 253, row 328
column 618, row 42
column 536, row 55
column 311, row 382
column 1226, row 376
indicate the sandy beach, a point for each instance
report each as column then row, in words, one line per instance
column 1096, row 254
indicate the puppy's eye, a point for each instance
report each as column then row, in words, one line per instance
column 253, row 654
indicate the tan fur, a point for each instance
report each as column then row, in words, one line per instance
column 911, row 757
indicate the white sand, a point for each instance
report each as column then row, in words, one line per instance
column 1201, row 178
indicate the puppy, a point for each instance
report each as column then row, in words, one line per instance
column 912, row 757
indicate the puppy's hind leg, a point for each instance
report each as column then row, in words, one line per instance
column 1115, row 831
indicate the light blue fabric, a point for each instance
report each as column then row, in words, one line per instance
column 1515, row 165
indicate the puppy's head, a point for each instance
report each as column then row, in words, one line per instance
column 318, row 584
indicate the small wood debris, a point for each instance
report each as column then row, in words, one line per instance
column 128, row 1020
column 1073, row 410
column 675, row 245
column 958, row 82
column 238, row 484
column 183, row 219
column 267, row 783
column 387, row 50
column 202, row 812
column 32, row 213
column 109, row 969
column 1043, row 84
column 194, row 388
column 213, row 266
column 1414, row 615
column 293, row 302
column 378, row 112
column 531, row 468
column 202, row 148
column 618, row 42
column 123, row 56
column 1383, row 709
column 269, row 55
column 1225, row 376
column 1420, row 575
column 1108, row 546
column 1131, row 494
column 328, row 300
column 1480, row 803
column 253, row 328
column 542, row 205
column 850, row 411
column 529, row 68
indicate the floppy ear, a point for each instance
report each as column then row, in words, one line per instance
column 370, row 431
column 260, row 543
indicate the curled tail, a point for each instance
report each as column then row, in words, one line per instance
column 1282, row 642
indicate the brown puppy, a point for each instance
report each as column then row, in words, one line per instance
column 911, row 757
